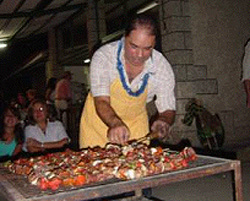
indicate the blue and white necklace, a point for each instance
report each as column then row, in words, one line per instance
column 121, row 71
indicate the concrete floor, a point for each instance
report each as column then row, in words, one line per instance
column 213, row 188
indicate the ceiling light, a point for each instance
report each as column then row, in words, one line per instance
column 86, row 61
column 3, row 45
column 147, row 7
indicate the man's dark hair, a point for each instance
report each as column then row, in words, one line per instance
column 141, row 20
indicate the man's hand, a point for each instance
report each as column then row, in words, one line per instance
column 118, row 134
column 162, row 127
column 163, row 123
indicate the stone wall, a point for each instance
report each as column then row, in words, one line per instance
column 204, row 41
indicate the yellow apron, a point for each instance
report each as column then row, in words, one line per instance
column 132, row 110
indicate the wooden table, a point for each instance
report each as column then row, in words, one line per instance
column 16, row 187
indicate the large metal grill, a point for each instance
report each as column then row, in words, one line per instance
column 17, row 187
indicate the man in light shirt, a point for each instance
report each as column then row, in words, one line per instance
column 124, row 76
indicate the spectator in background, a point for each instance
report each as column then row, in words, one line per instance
column 246, row 72
column 50, row 96
column 21, row 100
column 63, row 95
column 31, row 95
column 50, row 91
column 13, row 103
column 43, row 133
column 21, row 105
column 11, row 133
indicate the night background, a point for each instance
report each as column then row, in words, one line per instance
column 16, row 55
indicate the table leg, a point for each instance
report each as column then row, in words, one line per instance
column 237, row 182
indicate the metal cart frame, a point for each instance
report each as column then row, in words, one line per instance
column 204, row 166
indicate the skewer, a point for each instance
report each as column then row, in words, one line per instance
column 170, row 151
column 149, row 136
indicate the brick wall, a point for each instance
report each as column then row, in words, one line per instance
column 190, row 37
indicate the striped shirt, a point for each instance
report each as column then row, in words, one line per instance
column 103, row 71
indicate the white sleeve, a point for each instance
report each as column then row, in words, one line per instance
column 99, row 73
column 30, row 132
column 165, row 84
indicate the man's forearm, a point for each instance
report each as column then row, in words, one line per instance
column 106, row 112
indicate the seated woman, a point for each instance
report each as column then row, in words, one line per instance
column 43, row 133
column 11, row 133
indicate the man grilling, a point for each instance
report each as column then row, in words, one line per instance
column 125, row 75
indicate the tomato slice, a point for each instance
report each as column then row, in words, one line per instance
column 172, row 165
column 167, row 159
column 159, row 150
column 43, row 184
column 138, row 164
column 184, row 163
column 80, row 180
column 55, row 183
column 68, row 182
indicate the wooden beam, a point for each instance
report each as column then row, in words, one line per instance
column 39, row 13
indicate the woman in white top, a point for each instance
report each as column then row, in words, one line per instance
column 43, row 132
